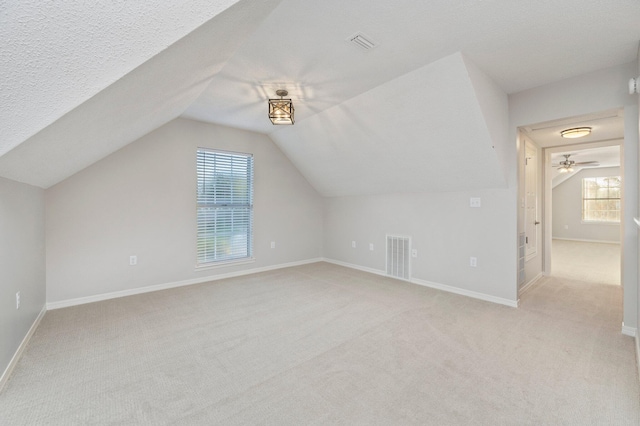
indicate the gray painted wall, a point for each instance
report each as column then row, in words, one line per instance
column 22, row 263
column 567, row 210
column 141, row 201
column 445, row 231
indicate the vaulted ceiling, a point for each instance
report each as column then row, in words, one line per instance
column 81, row 81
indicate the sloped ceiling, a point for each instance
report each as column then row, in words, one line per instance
column 606, row 156
column 424, row 129
column 145, row 98
column 57, row 54
column 83, row 83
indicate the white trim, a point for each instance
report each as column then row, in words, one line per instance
column 437, row 286
column 359, row 268
column 227, row 263
column 629, row 331
column 587, row 241
column 16, row 357
column 468, row 293
column 528, row 285
column 638, row 354
column 148, row 289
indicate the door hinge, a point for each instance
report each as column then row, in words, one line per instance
column 526, row 240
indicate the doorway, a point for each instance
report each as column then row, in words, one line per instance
column 575, row 231
column 586, row 212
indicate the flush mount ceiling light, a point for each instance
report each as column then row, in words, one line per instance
column 576, row 132
column 281, row 110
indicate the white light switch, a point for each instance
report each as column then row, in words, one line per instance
column 371, row 246
column 473, row 262
column 414, row 253
column 353, row 244
column 273, row 244
column 475, row 202
column 133, row 260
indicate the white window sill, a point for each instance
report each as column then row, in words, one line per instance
column 594, row 222
column 218, row 265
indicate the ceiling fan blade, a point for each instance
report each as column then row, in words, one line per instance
column 586, row 162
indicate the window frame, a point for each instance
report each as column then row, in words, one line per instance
column 584, row 200
column 218, row 207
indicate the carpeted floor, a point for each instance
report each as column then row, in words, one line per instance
column 323, row 344
column 585, row 261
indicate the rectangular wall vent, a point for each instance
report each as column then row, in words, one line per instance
column 361, row 41
column 399, row 257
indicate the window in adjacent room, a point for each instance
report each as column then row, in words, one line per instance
column 224, row 206
column 601, row 199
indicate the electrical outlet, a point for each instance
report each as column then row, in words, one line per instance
column 371, row 246
column 414, row 253
column 353, row 244
column 18, row 300
column 133, row 260
column 473, row 262
column 273, row 244
column 475, row 202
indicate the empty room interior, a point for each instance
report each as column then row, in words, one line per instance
column 303, row 212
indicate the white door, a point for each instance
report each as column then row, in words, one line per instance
column 531, row 200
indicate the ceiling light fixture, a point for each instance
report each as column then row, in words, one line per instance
column 281, row 110
column 576, row 132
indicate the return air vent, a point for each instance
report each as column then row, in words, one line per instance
column 361, row 41
column 398, row 257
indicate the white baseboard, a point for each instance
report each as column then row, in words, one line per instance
column 580, row 240
column 629, row 331
column 638, row 354
column 468, row 293
column 157, row 287
column 437, row 286
column 528, row 285
column 358, row 267
column 16, row 357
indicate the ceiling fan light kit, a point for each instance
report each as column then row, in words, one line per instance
column 566, row 166
column 281, row 110
column 576, row 132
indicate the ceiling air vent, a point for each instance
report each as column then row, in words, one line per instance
column 361, row 41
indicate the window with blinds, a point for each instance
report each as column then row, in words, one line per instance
column 224, row 206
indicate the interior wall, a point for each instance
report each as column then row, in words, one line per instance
column 141, row 201
column 444, row 230
column 593, row 92
column 567, row 210
column 22, row 263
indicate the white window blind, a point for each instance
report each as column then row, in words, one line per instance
column 224, row 206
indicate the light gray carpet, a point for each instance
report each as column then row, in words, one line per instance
column 584, row 261
column 322, row 344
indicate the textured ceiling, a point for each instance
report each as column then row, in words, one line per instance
column 79, row 80
column 57, row 54
column 142, row 100
column 519, row 44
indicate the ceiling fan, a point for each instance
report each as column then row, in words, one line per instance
column 566, row 166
